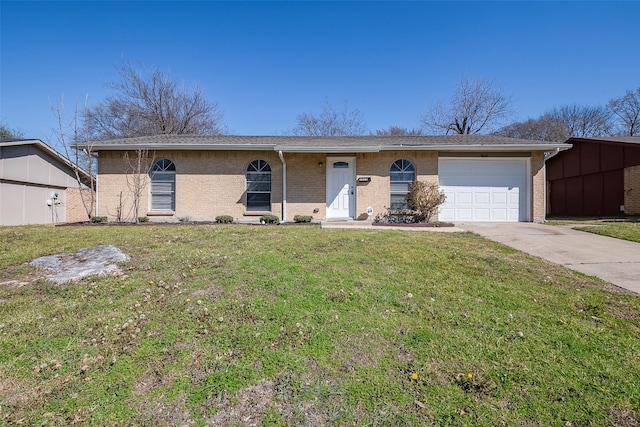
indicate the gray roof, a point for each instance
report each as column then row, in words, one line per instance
column 372, row 143
column 616, row 139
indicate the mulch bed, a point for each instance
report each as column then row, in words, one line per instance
column 414, row 224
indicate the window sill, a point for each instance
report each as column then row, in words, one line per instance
column 161, row 213
column 257, row 213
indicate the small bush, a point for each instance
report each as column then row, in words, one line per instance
column 425, row 198
column 302, row 218
column 143, row 219
column 224, row 219
column 184, row 219
column 269, row 219
column 98, row 219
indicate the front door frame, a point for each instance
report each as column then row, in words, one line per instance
column 351, row 160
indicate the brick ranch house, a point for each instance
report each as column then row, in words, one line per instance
column 485, row 178
column 597, row 176
column 39, row 186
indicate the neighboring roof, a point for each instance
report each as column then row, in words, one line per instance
column 44, row 147
column 614, row 139
column 308, row 144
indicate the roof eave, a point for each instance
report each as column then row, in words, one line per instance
column 345, row 149
column 125, row 147
column 483, row 147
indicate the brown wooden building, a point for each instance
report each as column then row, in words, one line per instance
column 597, row 176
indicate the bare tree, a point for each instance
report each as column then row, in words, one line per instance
column 399, row 131
column 478, row 105
column 544, row 128
column 138, row 168
column 72, row 139
column 583, row 121
column 8, row 133
column 331, row 122
column 627, row 110
column 151, row 105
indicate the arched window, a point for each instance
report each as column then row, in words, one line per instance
column 258, row 186
column 163, row 186
column 402, row 174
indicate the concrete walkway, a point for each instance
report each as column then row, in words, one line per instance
column 614, row 260
column 367, row 225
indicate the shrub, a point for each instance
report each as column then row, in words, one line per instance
column 143, row 219
column 98, row 219
column 302, row 218
column 184, row 219
column 425, row 199
column 269, row 219
column 224, row 219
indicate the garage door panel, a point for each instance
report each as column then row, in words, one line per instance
column 499, row 214
column 499, row 198
column 484, row 190
column 482, row 197
column 483, row 214
column 465, row 214
column 463, row 197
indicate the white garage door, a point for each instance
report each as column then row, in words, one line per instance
column 484, row 189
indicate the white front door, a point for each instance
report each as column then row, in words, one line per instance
column 340, row 187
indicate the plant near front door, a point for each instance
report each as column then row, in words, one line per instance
column 425, row 199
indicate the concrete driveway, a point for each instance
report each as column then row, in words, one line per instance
column 616, row 261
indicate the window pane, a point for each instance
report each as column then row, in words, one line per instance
column 400, row 187
column 163, row 165
column 162, row 202
column 259, row 176
column 341, row 165
column 399, row 202
column 258, row 201
column 259, row 186
column 163, row 185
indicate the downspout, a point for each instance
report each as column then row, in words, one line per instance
column 284, row 187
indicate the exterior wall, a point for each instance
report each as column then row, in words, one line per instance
column 22, row 203
column 306, row 184
column 75, row 206
column 212, row 183
column 632, row 190
column 538, row 195
column 28, row 176
column 29, row 164
column 590, row 178
column 208, row 184
column 377, row 194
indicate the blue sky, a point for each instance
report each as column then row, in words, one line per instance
column 266, row 62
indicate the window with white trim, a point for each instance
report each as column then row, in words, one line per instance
column 258, row 186
column 163, row 185
column 402, row 174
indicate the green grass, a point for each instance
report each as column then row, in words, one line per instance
column 619, row 230
column 212, row 324
column 625, row 230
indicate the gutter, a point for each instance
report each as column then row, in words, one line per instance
column 208, row 147
column 496, row 147
column 337, row 149
column 557, row 150
column 284, row 187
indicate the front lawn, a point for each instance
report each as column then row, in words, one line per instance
column 294, row 325
column 619, row 230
